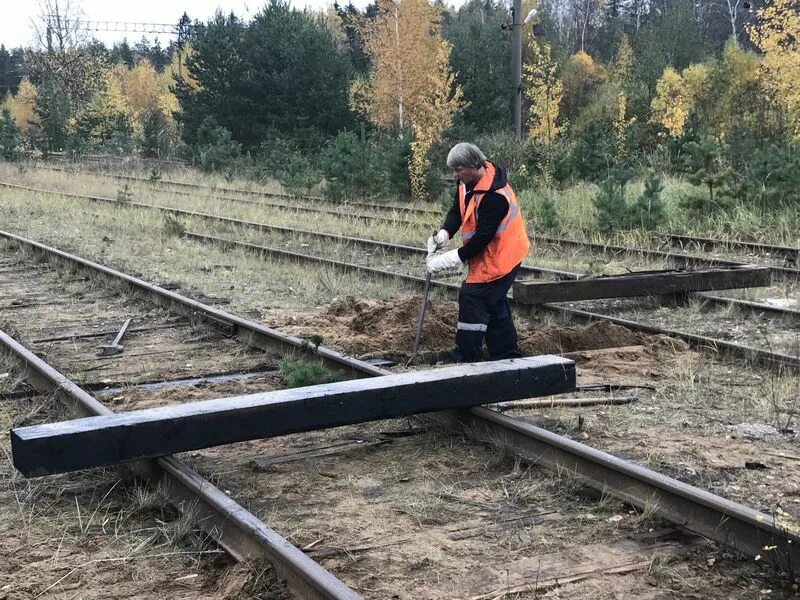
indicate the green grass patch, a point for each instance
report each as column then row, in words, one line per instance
column 301, row 373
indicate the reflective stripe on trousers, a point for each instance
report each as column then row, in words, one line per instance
column 485, row 314
column 472, row 326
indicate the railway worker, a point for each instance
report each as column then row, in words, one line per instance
column 494, row 239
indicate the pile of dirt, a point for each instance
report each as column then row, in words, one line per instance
column 386, row 329
column 396, row 322
column 378, row 329
column 561, row 340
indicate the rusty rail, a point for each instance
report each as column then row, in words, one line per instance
column 726, row 522
column 237, row 530
column 525, row 270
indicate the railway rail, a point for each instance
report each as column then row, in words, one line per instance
column 776, row 359
column 791, row 255
column 773, row 359
column 686, row 260
column 235, row 529
column 788, row 253
column 525, row 270
column 707, row 514
column 212, row 193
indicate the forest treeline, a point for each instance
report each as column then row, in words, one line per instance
column 368, row 101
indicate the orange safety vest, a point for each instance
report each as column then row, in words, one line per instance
column 508, row 246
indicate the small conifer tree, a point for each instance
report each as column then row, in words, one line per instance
column 9, row 135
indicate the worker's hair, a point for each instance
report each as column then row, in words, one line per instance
column 465, row 155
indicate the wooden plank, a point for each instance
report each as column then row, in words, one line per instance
column 640, row 284
column 123, row 437
column 564, row 403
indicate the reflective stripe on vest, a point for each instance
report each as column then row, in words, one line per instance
column 513, row 209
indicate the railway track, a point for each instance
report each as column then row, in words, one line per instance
column 683, row 259
column 699, row 511
column 715, row 344
column 161, row 184
column 790, row 255
column 526, row 270
column 65, row 321
column 773, row 359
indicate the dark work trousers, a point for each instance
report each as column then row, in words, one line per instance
column 484, row 312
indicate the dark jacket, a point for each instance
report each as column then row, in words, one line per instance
column 491, row 212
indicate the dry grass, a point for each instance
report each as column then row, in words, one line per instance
column 249, row 281
column 576, row 215
column 88, row 184
column 573, row 205
column 687, row 393
column 88, row 533
column 83, row 517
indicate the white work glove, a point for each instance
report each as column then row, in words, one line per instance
column 440, row 262
column 438, row 240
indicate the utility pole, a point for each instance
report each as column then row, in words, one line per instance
column 516, row 65
column 516, row 60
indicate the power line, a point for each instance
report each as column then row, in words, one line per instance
column 182, row 29
column 134, row 27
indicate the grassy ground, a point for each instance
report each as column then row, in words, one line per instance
column 686, row 424
column 94, row 535
column 576, row 214
column 573, row 205
column 118, row 236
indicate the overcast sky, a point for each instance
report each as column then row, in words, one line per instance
column 16, row 29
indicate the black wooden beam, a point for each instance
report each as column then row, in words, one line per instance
column 123, row 437
column 640, row 284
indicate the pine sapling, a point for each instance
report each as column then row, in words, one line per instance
column 648, row 211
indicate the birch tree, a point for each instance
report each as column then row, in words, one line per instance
column 777, row 34
column 22, row 105
column 544, row 90
column 410, row 85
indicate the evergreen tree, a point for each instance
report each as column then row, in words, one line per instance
column 215, row 148
column 612, row 210
column 10, row 70
column 280, row 74
column 772, row 176
column 705, row 165
column 156, row 139
column 122, row 53
column 481, row 59
column 159, row 57
column 353, row 23
column 648, row 211
column 5, row 75
column 612, row 30
column 9, row 135
column 53, row 110
column 346, row 164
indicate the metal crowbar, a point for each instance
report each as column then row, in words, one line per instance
column 418, row 338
